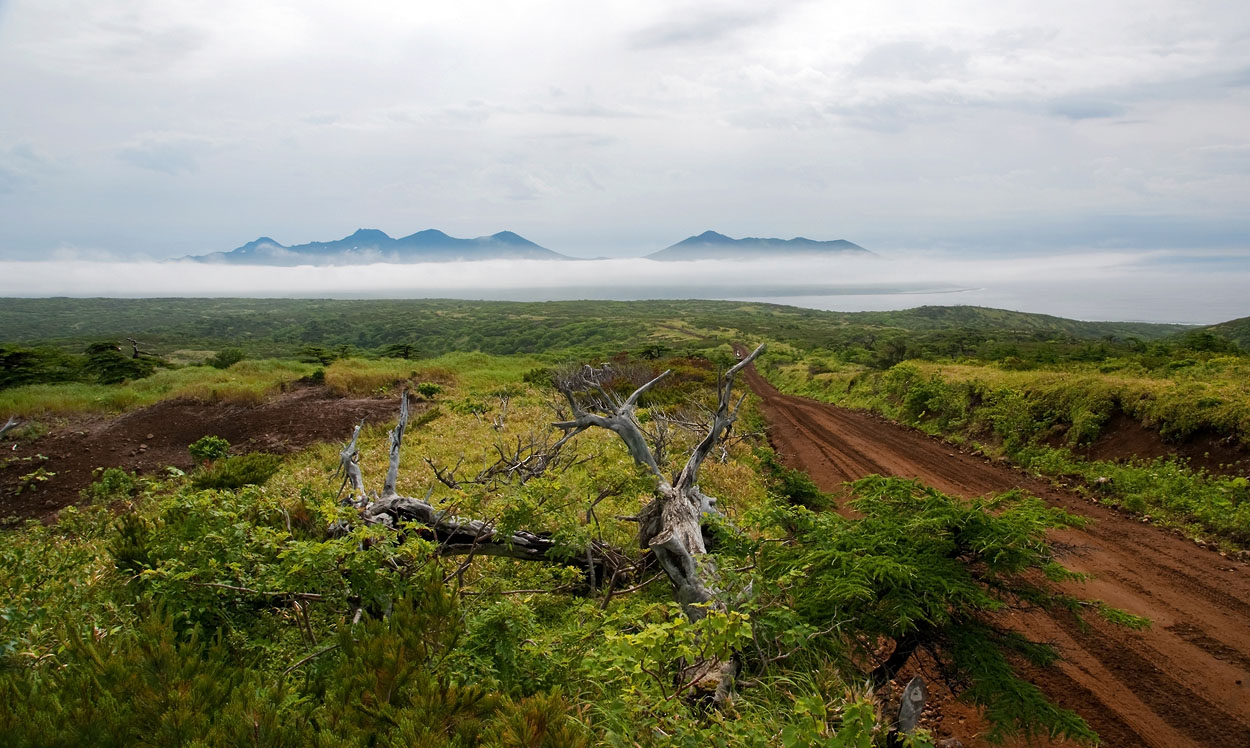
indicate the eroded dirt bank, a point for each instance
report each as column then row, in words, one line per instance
column 1185, row 681
column 148, row 439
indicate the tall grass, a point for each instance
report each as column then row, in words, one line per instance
column 471, row 371
column 245, row 382
column 1037, row 417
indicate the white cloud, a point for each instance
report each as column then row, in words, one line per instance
column 619, row 127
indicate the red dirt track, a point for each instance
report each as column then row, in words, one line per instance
column 1185, row 681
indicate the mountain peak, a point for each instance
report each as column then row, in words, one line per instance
column 511, row 237
column 711, row 245
column 373, row 245
column 369, row 235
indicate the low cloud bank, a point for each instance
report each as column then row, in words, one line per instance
column 1094, row 285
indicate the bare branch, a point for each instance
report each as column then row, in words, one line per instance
column 236, row 588
column 349, row 468
column 310, row 657
column 457, row 536
column 11, row 423
column 397, row 438
column 134, row 344
column 722, row 421
column 632, row 400
column 447, row 478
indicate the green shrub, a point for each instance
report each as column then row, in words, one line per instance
column 226, row 358
column 209, row 448
column 113, row 484
column 428, row 390
column 792, row 486
column 108, row 365
column 253, row 468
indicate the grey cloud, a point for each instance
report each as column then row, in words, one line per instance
column 1224, row 158
column 321, row 119
column 167, row 154
column 20, row 167
column 146, row 49
column 590, row 109
column 576, row 139
column 1117, row 101
column 1086, row 107
column 913, row 60
column 698, row 28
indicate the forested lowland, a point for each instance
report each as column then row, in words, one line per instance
column 476, row 576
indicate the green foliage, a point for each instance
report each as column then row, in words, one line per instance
column 253, row 468
column 112, row 484
column 246, row 382
column 428, row 390
column 792, row 486
column 925, row 568
column 240, row 599
column 658, row 657
column 209, row 448
column 317, row 354
column 108, row 365
column 1206, row 505
column 227, row 357
column 20, row 365
column 399, row 350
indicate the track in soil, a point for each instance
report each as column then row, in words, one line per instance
column 1185, row 681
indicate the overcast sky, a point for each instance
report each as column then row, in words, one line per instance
column 158, row 128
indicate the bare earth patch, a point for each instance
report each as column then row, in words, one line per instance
column 149, row 439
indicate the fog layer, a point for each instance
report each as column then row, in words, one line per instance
column 1145, row 286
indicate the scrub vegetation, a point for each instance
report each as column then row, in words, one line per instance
column 1186, row 399
column 245, row 602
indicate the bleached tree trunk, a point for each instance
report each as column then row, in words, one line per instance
column 670, row 526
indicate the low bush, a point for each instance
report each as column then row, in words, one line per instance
column 253, row 468
column 226, row 358
column 209, row 448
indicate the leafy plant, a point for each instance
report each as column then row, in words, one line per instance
column 227, row 357
column 428, row 390
column 209, row 448
column 253, row 468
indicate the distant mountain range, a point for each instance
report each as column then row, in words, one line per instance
column 370, row 245
column 713, row 246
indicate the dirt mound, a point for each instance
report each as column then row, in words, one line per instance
column 1124, row 438
column 149, row 439
column 1183, row 682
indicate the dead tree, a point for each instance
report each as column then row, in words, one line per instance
column 136, row 352
column 454, row 535
column 670, row 526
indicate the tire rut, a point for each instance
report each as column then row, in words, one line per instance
column 1181, row 682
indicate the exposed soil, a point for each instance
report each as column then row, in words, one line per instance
column 1185, row 681
column 1125, row 438
column 149, row 439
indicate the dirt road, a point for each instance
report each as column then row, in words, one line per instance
column 1185, row 681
